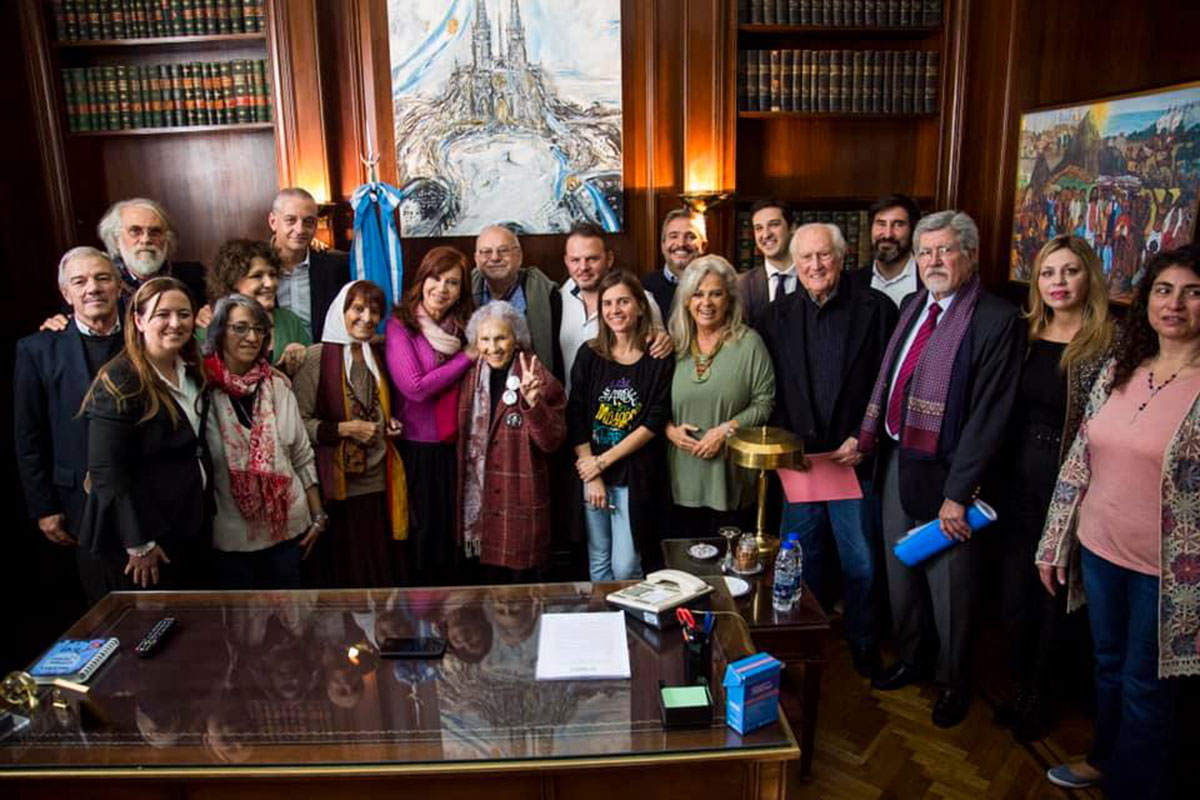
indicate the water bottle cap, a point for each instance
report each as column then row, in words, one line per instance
column 787, row 545
column 793, row 537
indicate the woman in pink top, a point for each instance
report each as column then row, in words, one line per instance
column 1127, row 493
column 426, row 360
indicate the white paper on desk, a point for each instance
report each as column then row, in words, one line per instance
column 588, row 646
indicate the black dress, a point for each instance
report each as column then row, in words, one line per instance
column 1024, row 486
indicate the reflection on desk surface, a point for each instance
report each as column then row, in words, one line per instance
column 291, row 678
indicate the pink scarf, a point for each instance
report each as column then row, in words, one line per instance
column 260, row 486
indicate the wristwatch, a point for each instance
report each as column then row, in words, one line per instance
column 320, row 519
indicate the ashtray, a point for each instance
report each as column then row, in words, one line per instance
column 702, row 551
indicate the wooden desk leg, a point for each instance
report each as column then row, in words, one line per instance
column 810, row 695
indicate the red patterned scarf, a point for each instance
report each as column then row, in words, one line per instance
column 258, row 480
column 925, row 405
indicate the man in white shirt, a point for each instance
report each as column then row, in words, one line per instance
column 588, row 259
column 893, row 270
column 776, row 276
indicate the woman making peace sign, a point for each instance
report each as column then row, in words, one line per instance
column 510, row 417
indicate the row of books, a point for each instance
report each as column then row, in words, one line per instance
column 106, row 98
column 842, row 13
column 78, row 20
column 853, row 224
column 841, row 81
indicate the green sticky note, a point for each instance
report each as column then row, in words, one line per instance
column 684, row 696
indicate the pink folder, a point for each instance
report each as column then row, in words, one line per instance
column 825, row 480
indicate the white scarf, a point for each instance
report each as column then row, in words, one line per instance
column 335, row 333
column 438, row 337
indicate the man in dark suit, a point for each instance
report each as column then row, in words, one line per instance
column 776, row 277
column 826, row 342
column 311, row 278
column 936, row 418
column 52, row 374
column 683, row 241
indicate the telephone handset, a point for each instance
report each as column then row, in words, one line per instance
column 661, row 591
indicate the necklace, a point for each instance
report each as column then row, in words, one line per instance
column 702, row 361
column 1155, row 389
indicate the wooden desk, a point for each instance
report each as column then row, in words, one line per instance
column 795, row 637
column 258, row 694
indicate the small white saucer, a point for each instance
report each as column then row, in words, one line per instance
column 702, row 551
column 737, row 586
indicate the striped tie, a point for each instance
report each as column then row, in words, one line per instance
column 900, row 387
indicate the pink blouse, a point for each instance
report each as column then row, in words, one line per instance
column 426, row 385
column 1120, row 514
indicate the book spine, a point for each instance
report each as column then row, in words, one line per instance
column 768, row 12
column 893, row 9
column 823, row 69
column 240, row 90
column 162, row 93
column 898, row 83
column 756, row 12
column 932, row 13
column 209, row 115
column 826, row 13
column 70, row 99
column 237, row 18
column 806, row 74
column 211, row 23
column 752, row 80
column 781, row 12
column 916, row 82
column 857, row 13
column 88, row 100
column 743, row 78
column 869, row 18
column 267, row 105
column 885, row 89
column 905, row 13
column 835, row 80
column 793, row 17
column 187, row 87
column 787, row 71
column 839, row 13
column 806, row 7
column 224, row 16
column 178, row 96
column 229, row 113
column 140, row 97
column 856, row 83
column 847, row 79
column 764, row 80
column 776, row 82
column 124, row 101
column 931, row 82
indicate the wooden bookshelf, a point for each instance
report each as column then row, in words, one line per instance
column 821, row 31
column 162, row 41
column 831, row 115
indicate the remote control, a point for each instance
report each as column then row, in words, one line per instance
column 154, row 637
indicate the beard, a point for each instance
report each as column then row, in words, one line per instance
column 143, row 261
column 892, row 255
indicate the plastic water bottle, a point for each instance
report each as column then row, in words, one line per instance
column 798, row 554
column 784, row 589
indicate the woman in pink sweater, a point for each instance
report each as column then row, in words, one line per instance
column 426, row 360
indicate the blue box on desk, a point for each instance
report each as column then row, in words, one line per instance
column 752, row 692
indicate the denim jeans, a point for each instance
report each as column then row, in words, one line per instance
column 849, row 520
column 612, row 554
column 1135, row 709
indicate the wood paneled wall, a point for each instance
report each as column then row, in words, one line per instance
column 674, row 62
column 1027, row 54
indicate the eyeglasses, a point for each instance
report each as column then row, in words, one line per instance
column 136, row 232
column 242, row 329
column 943, row 250
column 502, row 252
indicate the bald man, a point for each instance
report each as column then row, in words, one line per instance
column 499, row 275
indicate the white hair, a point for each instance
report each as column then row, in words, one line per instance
column 501, row 311
column 835, row 237
column 76, row 253
column 109, row 229
column 958, row 221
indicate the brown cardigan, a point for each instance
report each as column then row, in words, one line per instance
column 515, row 513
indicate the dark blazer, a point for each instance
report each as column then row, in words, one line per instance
column 191, row 274
column 146, row 482
column 872, row 319
column 756, row 298
column 662, row 290
column 983, row 389
column 328, row 272
column 49, row 381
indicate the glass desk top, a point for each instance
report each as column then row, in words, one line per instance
column 288, row 679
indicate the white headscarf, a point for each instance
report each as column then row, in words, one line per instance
column 335, row 333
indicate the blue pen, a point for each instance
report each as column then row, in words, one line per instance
column 709, row 618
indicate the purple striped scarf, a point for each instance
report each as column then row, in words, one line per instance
column 925, row 405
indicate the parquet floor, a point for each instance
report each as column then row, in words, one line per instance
column 883, row 745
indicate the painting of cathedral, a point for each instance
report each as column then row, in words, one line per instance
column 506, row 112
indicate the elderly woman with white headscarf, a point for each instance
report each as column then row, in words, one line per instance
column 511, row 415
column 347, row 409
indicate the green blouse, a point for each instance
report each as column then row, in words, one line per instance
column 740, row 385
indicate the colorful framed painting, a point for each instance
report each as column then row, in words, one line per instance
column 1122, row 172
column 506, row 112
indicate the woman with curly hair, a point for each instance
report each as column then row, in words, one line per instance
column 251, row 268
column 1125, row 511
